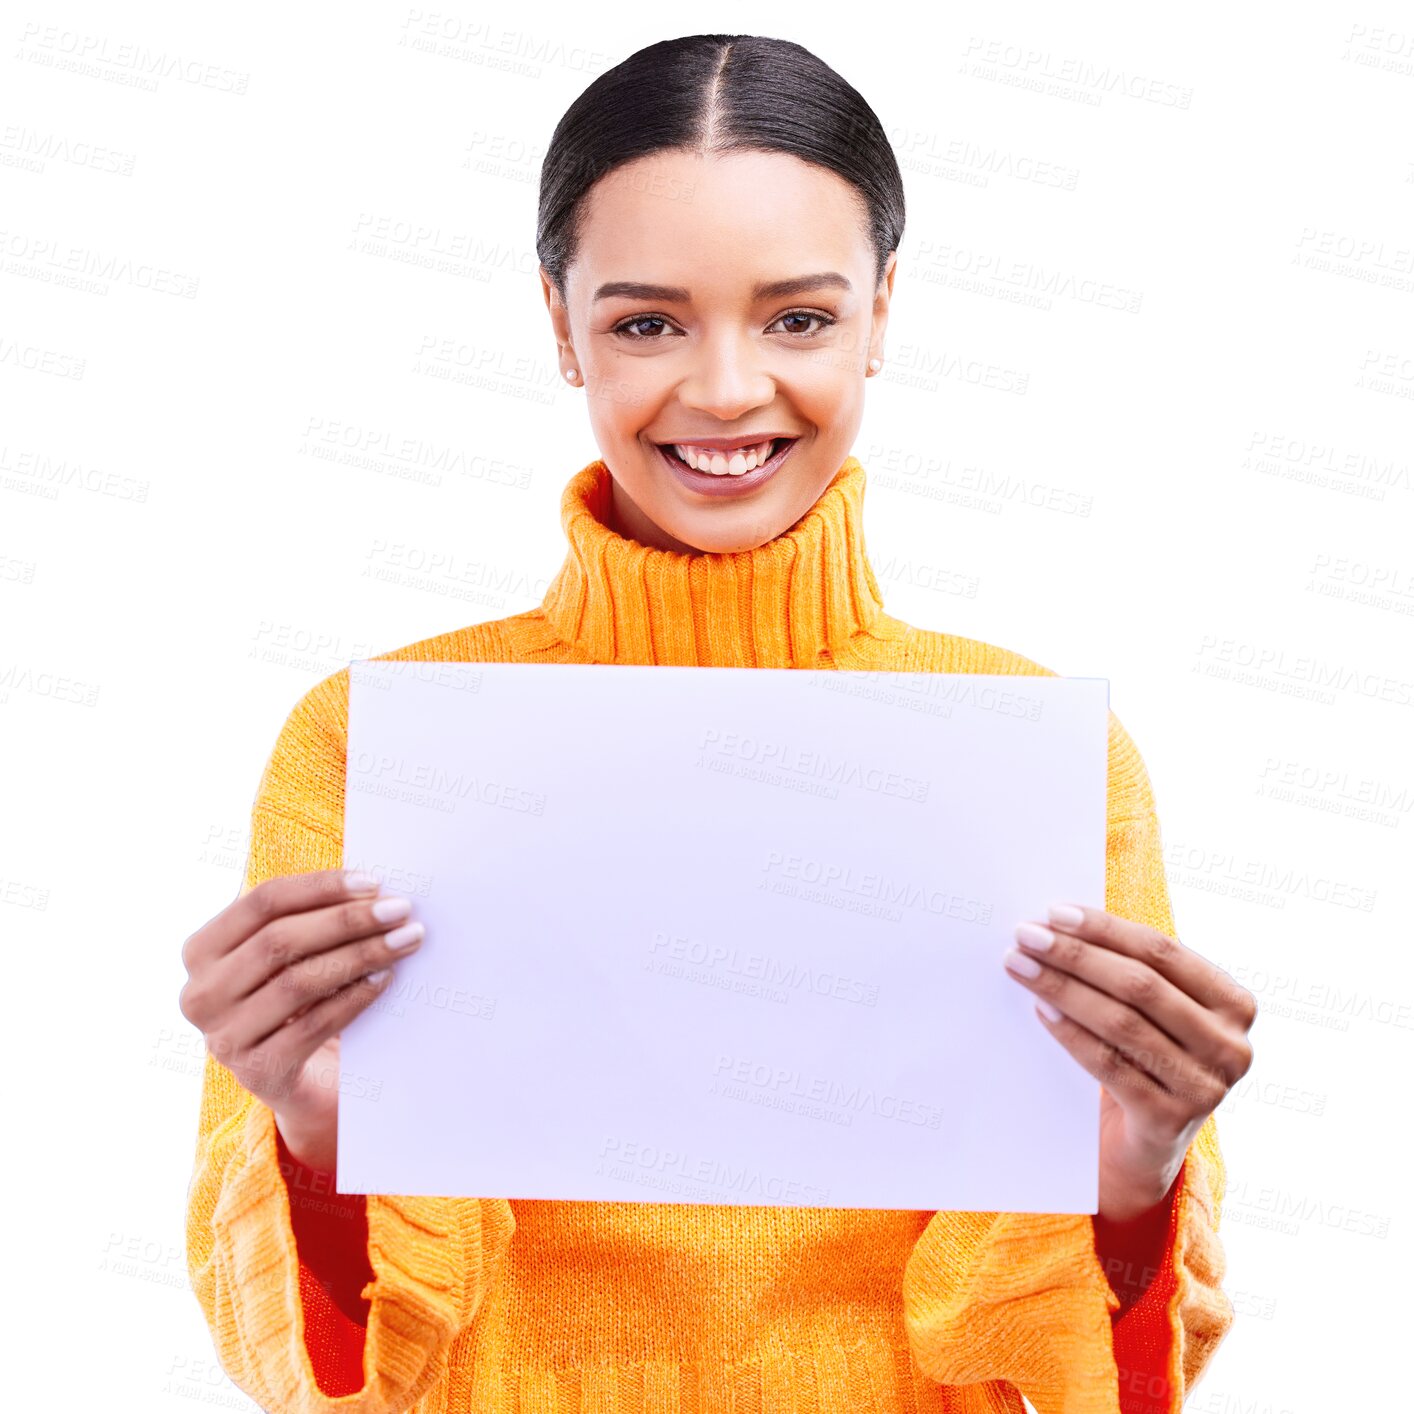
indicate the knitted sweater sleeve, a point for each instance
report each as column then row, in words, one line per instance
column 432, row 1259
column 1023, row 1297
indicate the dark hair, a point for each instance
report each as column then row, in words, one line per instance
column 716, row 93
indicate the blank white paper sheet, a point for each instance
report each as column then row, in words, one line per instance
column 720, row 935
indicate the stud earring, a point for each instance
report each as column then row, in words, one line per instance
column 875, row 364
column 572, row 374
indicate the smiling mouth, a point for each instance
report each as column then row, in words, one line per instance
column 735, row 462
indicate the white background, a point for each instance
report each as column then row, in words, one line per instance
column 177, row 568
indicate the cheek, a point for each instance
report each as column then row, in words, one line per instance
column 828, row 380
column 618, row 408
column 629, row 398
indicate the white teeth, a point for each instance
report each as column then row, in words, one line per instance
column 742, row 460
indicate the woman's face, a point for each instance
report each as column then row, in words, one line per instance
column 677, row 339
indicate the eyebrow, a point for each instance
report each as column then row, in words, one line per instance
column 678, row 294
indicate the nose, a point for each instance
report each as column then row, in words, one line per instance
column 729, row 376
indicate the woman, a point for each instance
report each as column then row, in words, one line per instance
column 719, row 224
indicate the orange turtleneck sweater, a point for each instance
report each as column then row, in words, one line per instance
column 320, row 1302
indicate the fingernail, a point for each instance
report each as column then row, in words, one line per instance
column 1034, row 936
column 389, row 910
column 405, row 936
column 358, row 883
column 1068, row 915
column 1047, row 1010
column 1020, row 963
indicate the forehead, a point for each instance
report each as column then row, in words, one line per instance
column 720, row 223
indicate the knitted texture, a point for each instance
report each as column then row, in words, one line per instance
column 443, row 1305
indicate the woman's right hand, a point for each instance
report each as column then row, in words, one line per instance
column 276, row 975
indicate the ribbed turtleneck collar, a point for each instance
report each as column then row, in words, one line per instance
column 778, row 606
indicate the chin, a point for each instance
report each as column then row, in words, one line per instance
column 733, row 526
column 726, row 544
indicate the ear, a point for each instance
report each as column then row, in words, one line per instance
column 881, row 307
column 559, row 320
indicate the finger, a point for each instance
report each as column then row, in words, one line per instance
column 291, row 938
column 1169, row 1070
column 328, row 1016
column 271, row 1067
column 275, row 898
column 1130, row 1085
column 317, row 972
column 1214, row 991
column 1133, row 984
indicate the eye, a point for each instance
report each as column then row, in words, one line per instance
column 825, row 321
column 625, row 325
column 631, row 328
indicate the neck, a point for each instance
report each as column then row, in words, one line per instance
column 786, row 604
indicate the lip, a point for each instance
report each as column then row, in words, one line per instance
column 708, row 485
column 727, row 444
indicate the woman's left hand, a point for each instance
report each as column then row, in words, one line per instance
column 1163, row 1030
